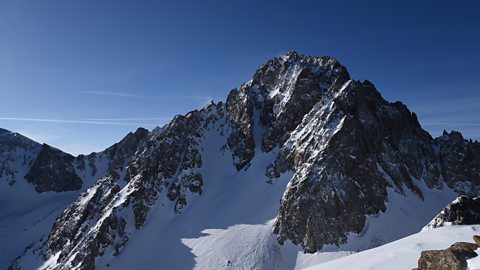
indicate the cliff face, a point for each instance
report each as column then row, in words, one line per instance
column 38, row 181
column 343, row 143
column 50, row 170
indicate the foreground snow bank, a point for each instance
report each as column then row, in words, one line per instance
column 404, row 253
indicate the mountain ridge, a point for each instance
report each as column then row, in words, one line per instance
column 38, row 181
column 342, row 145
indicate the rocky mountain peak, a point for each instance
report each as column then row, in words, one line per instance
column 453, row 136
column 17, row 154
column 281, row 92
column 278, row 73
column 122, row 152
column 53, row 171
column 343, row 147
column 14, row 139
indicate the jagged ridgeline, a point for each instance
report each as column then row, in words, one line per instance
column 341, row 145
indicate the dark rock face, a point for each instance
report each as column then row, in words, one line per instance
column 171, row 159
column 453, row 258
column 122, row 152
column 53, row 171
column 292, row 86
column 347, row 152
column 16, row 150
column 49, row 169
column 166, row 161
column 76, row 221
column 280, row 94
column 239, row 112
column 462, row 211
column 459, row 161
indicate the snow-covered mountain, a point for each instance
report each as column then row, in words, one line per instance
column 38, row 181
column 299, row 159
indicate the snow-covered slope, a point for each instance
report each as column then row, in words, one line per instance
column 300, row 158
column 404, row 253
column 27, row 213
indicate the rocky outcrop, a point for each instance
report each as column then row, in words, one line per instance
column 26, row 164
column 165, row 163
column 122, row 152
column 53, row 171
column 291, row 86
column 76, row 222
column 50, row 169
column 280, row 94
column 453, row 258
column 241, row 142
column 17, row 155
column 345, row 154
column 459, row 160
column 462, row 211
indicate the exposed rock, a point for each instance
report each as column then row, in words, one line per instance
column 459, row 160
column 122, row 152
column 53, row 171
column 476, row 238
column 50, row 169
column 462, row 211
column 17, row 155
column 239, row 108
column 291, row 87
column 453, row 258
column 166, row 161
column 343, row 155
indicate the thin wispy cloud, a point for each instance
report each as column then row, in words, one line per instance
column 131, row 119
column 75, row 121
column 113, row 94
column 130, row 95
column 455, row 124
column 452, row 104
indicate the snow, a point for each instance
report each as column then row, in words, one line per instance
column 26, row 215
column 342, row 89
column 234, row 206
column 404, row 253
column 223, row 229
column 228, row 226
column 474, row 263
column 273, row 93
column 406, row 214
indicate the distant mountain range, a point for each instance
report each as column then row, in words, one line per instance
column 301, row 158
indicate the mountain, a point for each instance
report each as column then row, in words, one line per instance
column 301, row 158
column 38, row 181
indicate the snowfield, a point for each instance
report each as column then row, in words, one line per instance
column 229, row 226
column 404, row 253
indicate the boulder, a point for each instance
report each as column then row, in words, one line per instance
column 462, row 211
column 453, row 258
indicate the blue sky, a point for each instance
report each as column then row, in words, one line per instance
column 79, row 75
